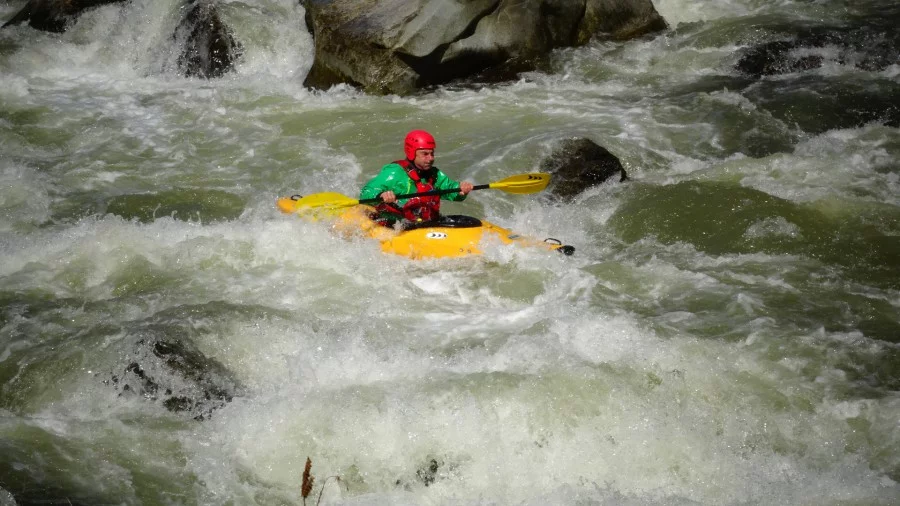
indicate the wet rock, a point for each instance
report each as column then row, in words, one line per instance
column 209, row 48
column 820, row 101
column 161, row 362
column 166, row 367
column 577, row 164
column 869, row 42
column 778, row 57
column 428, row 473
column 400, row 46
column 53, row 15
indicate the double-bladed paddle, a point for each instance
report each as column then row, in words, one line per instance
column 519, row 184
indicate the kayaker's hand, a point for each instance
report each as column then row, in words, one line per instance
column 465, row 187
column 388, row 197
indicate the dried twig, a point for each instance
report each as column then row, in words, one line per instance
column 308, row 480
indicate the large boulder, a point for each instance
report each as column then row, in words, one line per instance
column 870, row 42
column 776, row 57
column 399, row 46
column 161, row 362
column 578, row 164
column 820, row 101
column 53, row 15
column 208, row 47
column 169, row 369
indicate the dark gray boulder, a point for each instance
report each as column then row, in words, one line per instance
column 400, row 46
column 869, row 41
column 162, row 363
column 53, row 15
column 577, row 164
column 209, row 49
column 166, row 367
column 776, row 57
column 820, row 101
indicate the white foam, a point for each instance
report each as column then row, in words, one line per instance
column 676, row 12
column 778, row 226
column 630, row 373
column 23, row 199
column 838, row 163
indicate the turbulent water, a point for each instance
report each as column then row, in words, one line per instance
column 726, row 333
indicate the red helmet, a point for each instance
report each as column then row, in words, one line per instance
column 417, row 139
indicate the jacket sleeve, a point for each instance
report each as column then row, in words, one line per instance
column 442, row 182
column 392, row 177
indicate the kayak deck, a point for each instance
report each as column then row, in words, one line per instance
column 451, row 236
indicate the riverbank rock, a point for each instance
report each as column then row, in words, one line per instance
column 400, row 46
column 578, row 164
column 54, row 15
column 209, row 49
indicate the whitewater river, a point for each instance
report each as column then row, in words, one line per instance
column 726, row 333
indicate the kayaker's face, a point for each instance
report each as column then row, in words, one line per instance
column 424, row 159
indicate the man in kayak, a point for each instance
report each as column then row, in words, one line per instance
column 415, row 174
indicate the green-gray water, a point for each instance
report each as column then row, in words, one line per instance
column 727, row 332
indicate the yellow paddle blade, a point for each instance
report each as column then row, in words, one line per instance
column 328, row 201
column 523, row 183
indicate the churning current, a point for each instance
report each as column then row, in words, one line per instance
column 725, row 334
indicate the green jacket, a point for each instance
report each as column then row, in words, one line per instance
column 393, row 177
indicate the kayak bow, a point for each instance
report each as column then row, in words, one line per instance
column 450, row 236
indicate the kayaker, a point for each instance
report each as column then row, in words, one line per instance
column 415, row 174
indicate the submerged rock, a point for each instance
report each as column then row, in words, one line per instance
column 54, row 15
column 820, row 101
column 778, row 57
column 173, row 372
column 427, row 473
column 579, row 163
column 188, row 204
column 209, row 48
column 165, row 366
column 399, row 46
column 869, row 42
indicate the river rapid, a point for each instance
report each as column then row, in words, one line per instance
column 725, row 334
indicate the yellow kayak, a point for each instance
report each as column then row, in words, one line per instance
column 451, row 236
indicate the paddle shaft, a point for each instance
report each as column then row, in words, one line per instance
column 518, row 184
column 431, row 193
